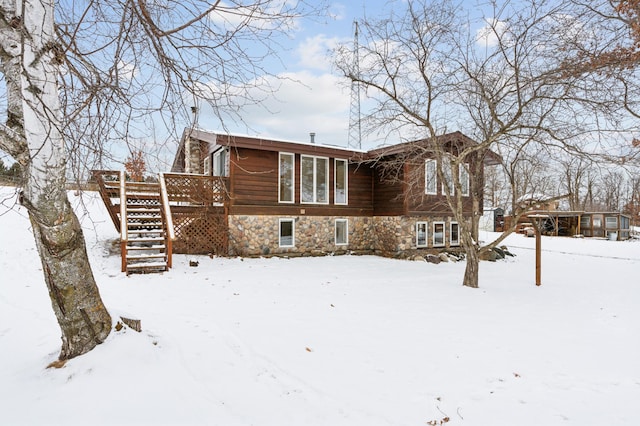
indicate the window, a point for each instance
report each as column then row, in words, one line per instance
column 438, row 234
column 220, row 163
column 454, row 234
column 287, row 232
column 597, row 221
column 342, row 232
column 314, row 180
column 463, row 173
column 585, row 222
column 611, row 222
column 421, row 234
column 341, row 181
column 286, row 178
column 430, row 177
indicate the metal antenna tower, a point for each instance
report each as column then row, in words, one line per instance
column 355, row 128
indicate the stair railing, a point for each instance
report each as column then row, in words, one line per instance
column 167, row 220
column 124, row 237
column 112, row 209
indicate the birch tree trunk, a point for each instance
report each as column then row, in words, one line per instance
column 30, row 63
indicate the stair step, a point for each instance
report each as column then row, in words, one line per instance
column 143, row 217
column 146, row 267
column 143, row 257
column 142, row 248
column 143, row 195
column 137, row 209
column 146, row 239
column 146, row 224
column 146, row 231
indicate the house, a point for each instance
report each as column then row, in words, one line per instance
column 288, row 198
column 599, row 224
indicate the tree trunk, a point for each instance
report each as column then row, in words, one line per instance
column 472, row 261
column 35, row 116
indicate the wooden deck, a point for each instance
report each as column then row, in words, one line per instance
column 190, row 216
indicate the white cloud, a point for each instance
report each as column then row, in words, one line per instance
column 303, row 102
column 126, row 71
column 490, row 34
column 307, row 103
column 314, row 52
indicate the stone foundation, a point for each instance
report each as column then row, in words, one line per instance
column 315, row 235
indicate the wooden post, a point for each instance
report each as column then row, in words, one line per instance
column 538, row 223
column 538, row 256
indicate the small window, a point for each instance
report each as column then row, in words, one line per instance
column 585, row 222
column 341, row 181
column 430, row 177
column 342, row 232
column 597, row 221
column 611, row 222
column 454, row 234
column 287, row 232
column 464, row 178
column 438, row 234
column 220, row 163
column 421, row 234
column 286, row 178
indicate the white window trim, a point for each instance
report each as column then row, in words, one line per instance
column 293, row 232
column 433, row 234
column 426, row 234
column 218, row 169
column 315, row 181
column 293, row 178
column 428, row 178
column 453, row 242
column 346, row 234
column 346, row 180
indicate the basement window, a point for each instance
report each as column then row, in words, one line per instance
column 342, row 232
column 438, row 234
column 421, row 234
column 287, row 232
column 454, row 234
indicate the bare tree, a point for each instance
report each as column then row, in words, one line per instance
column 103, row 73
column 578, row 181
column 613, row 182
column 428, row 69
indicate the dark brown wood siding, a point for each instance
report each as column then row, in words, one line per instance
column 402, row 192
column 254, row 187
column 388, row 194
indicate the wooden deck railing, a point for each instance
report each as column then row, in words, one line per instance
column 168, row 219
column 124, row 236
column 102, row 179
column 196, row 190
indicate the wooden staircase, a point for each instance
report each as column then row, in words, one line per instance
column 144, row 249
column 138, row 212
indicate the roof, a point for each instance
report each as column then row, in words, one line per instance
column 267, row 144
column 491, row 158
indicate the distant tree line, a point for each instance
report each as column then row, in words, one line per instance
column 11, row 173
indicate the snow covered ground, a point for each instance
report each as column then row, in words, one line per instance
column 342, row 340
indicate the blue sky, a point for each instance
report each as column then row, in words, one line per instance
column 314, row 98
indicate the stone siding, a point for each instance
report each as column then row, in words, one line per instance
column 259, row 235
